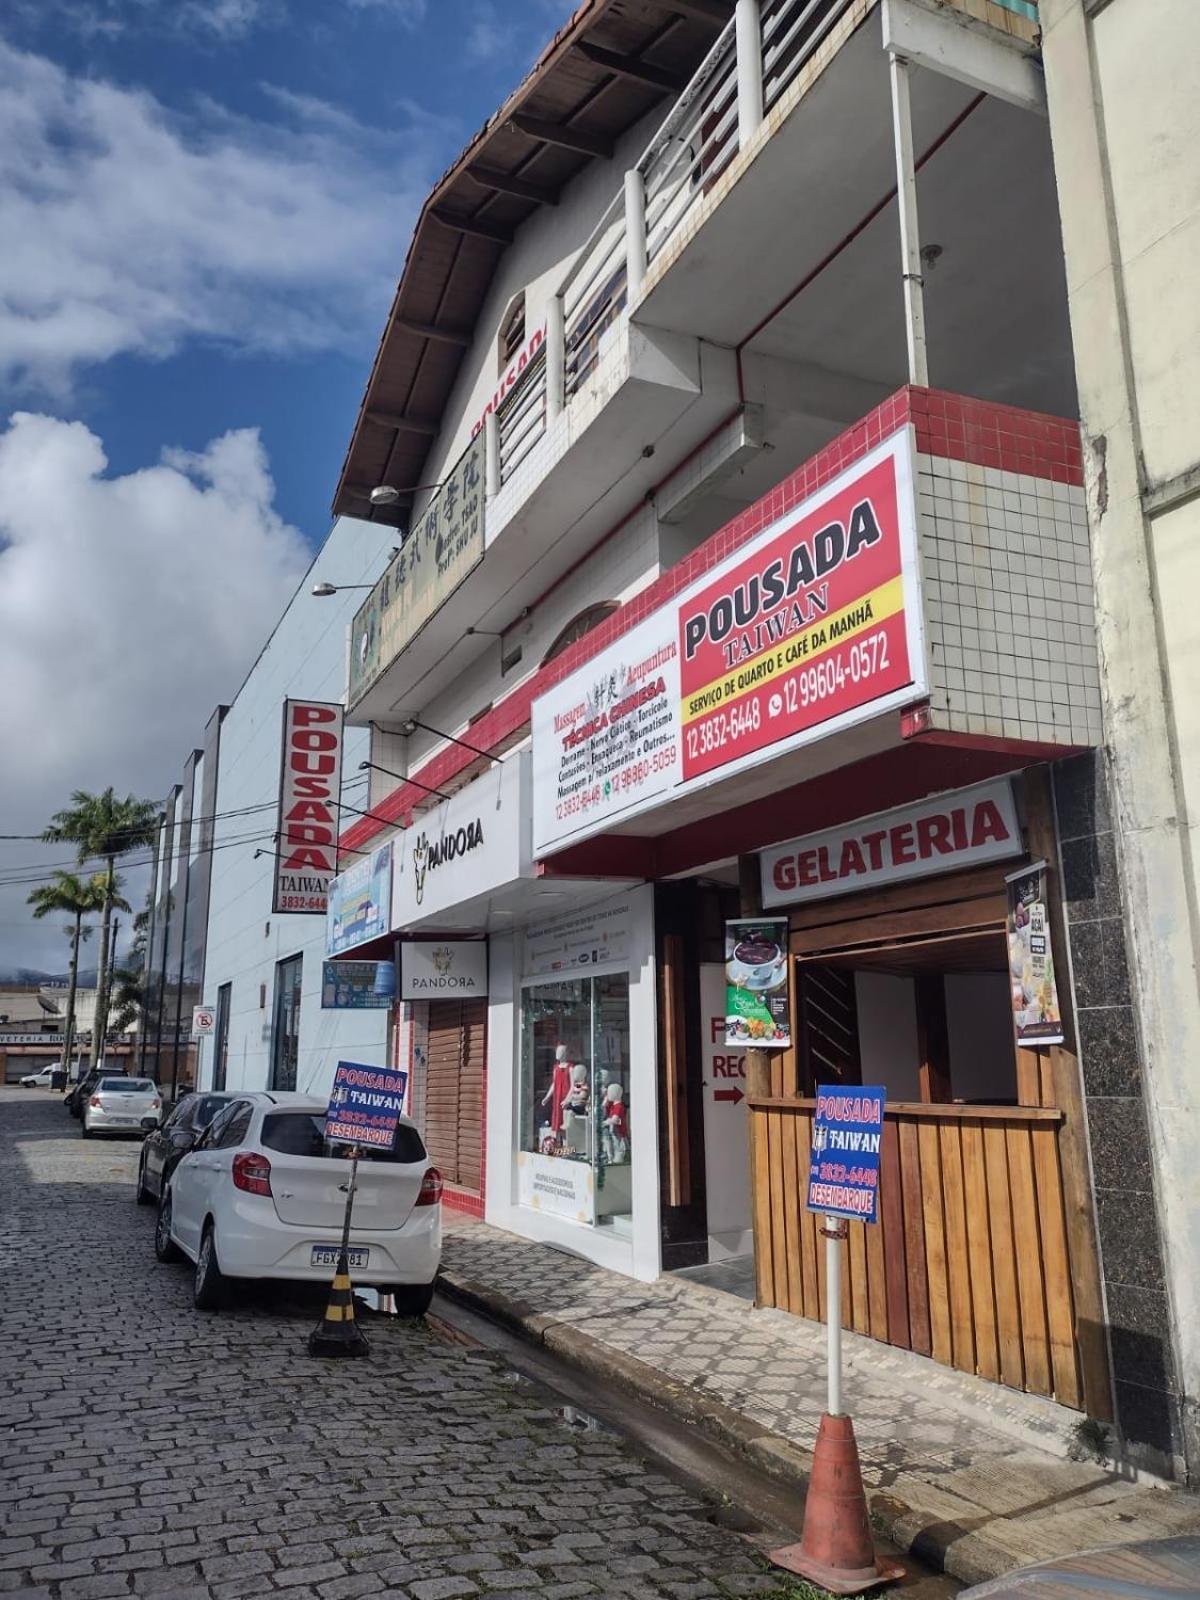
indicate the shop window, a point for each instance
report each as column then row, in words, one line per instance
column 285, row 1030
column 586, row 620
column 575, row 1112
column 512, row 332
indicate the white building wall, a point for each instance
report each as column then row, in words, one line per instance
column 305, row 658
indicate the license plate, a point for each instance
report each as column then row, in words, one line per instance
column 326, row 1255
column 124, row 1122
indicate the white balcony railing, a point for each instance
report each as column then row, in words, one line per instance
column 750, row 65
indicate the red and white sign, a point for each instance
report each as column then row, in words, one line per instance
column 204, row 1021
column 310, row 786
column 937, row 835
column 813, row 626
column 808, row 626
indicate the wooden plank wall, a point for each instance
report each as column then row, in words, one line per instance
column 969, row 1263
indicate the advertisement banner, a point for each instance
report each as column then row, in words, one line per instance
column 365, row 1105
column 448, row 969
column 808, row 626
column 350, row 986
column 843, row 1168
column 610, row 742
column 598, row 936
column 1030, row 959
column 756, row 983
column 562, row 1188
column 438, row 552
column 941, row 834
column 310, row 787
column 813, row 626
column 360, row 902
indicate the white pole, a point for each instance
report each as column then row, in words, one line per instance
column 635, row 230
column 833, row 1313
column 748, row 34
column 555, row 357
column 910, row 233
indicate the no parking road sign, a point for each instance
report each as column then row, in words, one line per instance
column 204, row 1021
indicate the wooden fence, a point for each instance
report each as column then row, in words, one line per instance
column 969, row 1262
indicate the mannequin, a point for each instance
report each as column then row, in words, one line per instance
column 615, row 1123
column 560, row 1088
column 579, row 1093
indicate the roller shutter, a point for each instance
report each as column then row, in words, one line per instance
column 457, row 1062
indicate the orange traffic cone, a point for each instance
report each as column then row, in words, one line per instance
column 835, row 1549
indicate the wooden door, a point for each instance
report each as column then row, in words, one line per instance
column 457, row 1062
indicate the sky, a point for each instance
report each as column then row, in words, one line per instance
column 204, row 209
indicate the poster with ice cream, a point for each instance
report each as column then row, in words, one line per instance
column 1031, row 960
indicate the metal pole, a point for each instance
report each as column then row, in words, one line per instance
column 748, row 33
column 833, row 1312
column 344, row 1258
column 635, row 230
column 910, row 233
column 491, row 454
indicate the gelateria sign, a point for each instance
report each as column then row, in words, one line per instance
column 809, row 628
column 940, row 834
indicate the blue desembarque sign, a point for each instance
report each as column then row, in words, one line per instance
column 365, row 1104
column 843, row 1169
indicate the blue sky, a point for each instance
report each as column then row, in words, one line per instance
column 204, row 209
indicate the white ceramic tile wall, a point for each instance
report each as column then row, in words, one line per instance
column 305, row 657
column 1009, row 604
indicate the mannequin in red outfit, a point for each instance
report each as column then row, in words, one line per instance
column 560, row 1088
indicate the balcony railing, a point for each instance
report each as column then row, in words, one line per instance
column 521, row 416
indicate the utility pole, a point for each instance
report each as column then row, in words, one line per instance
column 101, row 1045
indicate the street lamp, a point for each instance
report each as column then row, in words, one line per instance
column 321, row 590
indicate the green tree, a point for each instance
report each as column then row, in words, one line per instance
column 79, row 898
column 129, row 981
column 104, row 828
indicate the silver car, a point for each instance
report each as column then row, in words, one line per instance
column 121, row 1105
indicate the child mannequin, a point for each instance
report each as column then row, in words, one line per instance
column 616, row 1124
column 579, row 1093
column 560, row 1088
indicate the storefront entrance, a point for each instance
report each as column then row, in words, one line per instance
column 454, row 1087
column 971, row 1262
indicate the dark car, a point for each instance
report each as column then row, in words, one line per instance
column 166, row 1147
column 77, row 1097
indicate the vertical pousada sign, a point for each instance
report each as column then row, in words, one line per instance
column 310, row 779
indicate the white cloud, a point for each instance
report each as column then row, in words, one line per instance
column 213, row 21
column 131, row 229
column 129, row 607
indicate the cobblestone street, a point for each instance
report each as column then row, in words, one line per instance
column 150, row 1449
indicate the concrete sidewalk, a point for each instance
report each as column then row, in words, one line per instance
column 972, row 1477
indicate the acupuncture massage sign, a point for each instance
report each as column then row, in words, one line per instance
column 809, row 626
column 843, row 1169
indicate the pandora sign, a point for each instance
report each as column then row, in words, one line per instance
column 309, row 791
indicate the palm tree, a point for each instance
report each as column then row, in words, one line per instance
column 129, row 994
column 79, row 897
column 103, row 827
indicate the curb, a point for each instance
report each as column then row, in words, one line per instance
column 927, row 1536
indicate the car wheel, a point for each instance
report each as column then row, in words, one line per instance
column 165, row 1247
column 209, row 1290
column 412, row 1299
column 142, row 1195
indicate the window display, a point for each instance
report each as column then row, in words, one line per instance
column 575, row 1138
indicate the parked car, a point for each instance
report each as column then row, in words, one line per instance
column 263, row 1195
column 166, row 1147
column 77, row 1097
column 119, row 1104
column 44, row 1078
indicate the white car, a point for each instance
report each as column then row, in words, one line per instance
column 262, row 1195
column 42, row 1079
column 121, row 1105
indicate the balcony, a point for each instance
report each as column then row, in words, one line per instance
column 743, row 296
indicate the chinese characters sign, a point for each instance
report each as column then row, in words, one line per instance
column 438, row 552
column 843, row 1167
column 1030, row 959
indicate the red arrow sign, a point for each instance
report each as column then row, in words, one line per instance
column 728, row 1094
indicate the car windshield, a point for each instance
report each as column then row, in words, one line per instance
column 302, row 1133
column 127, row 1085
